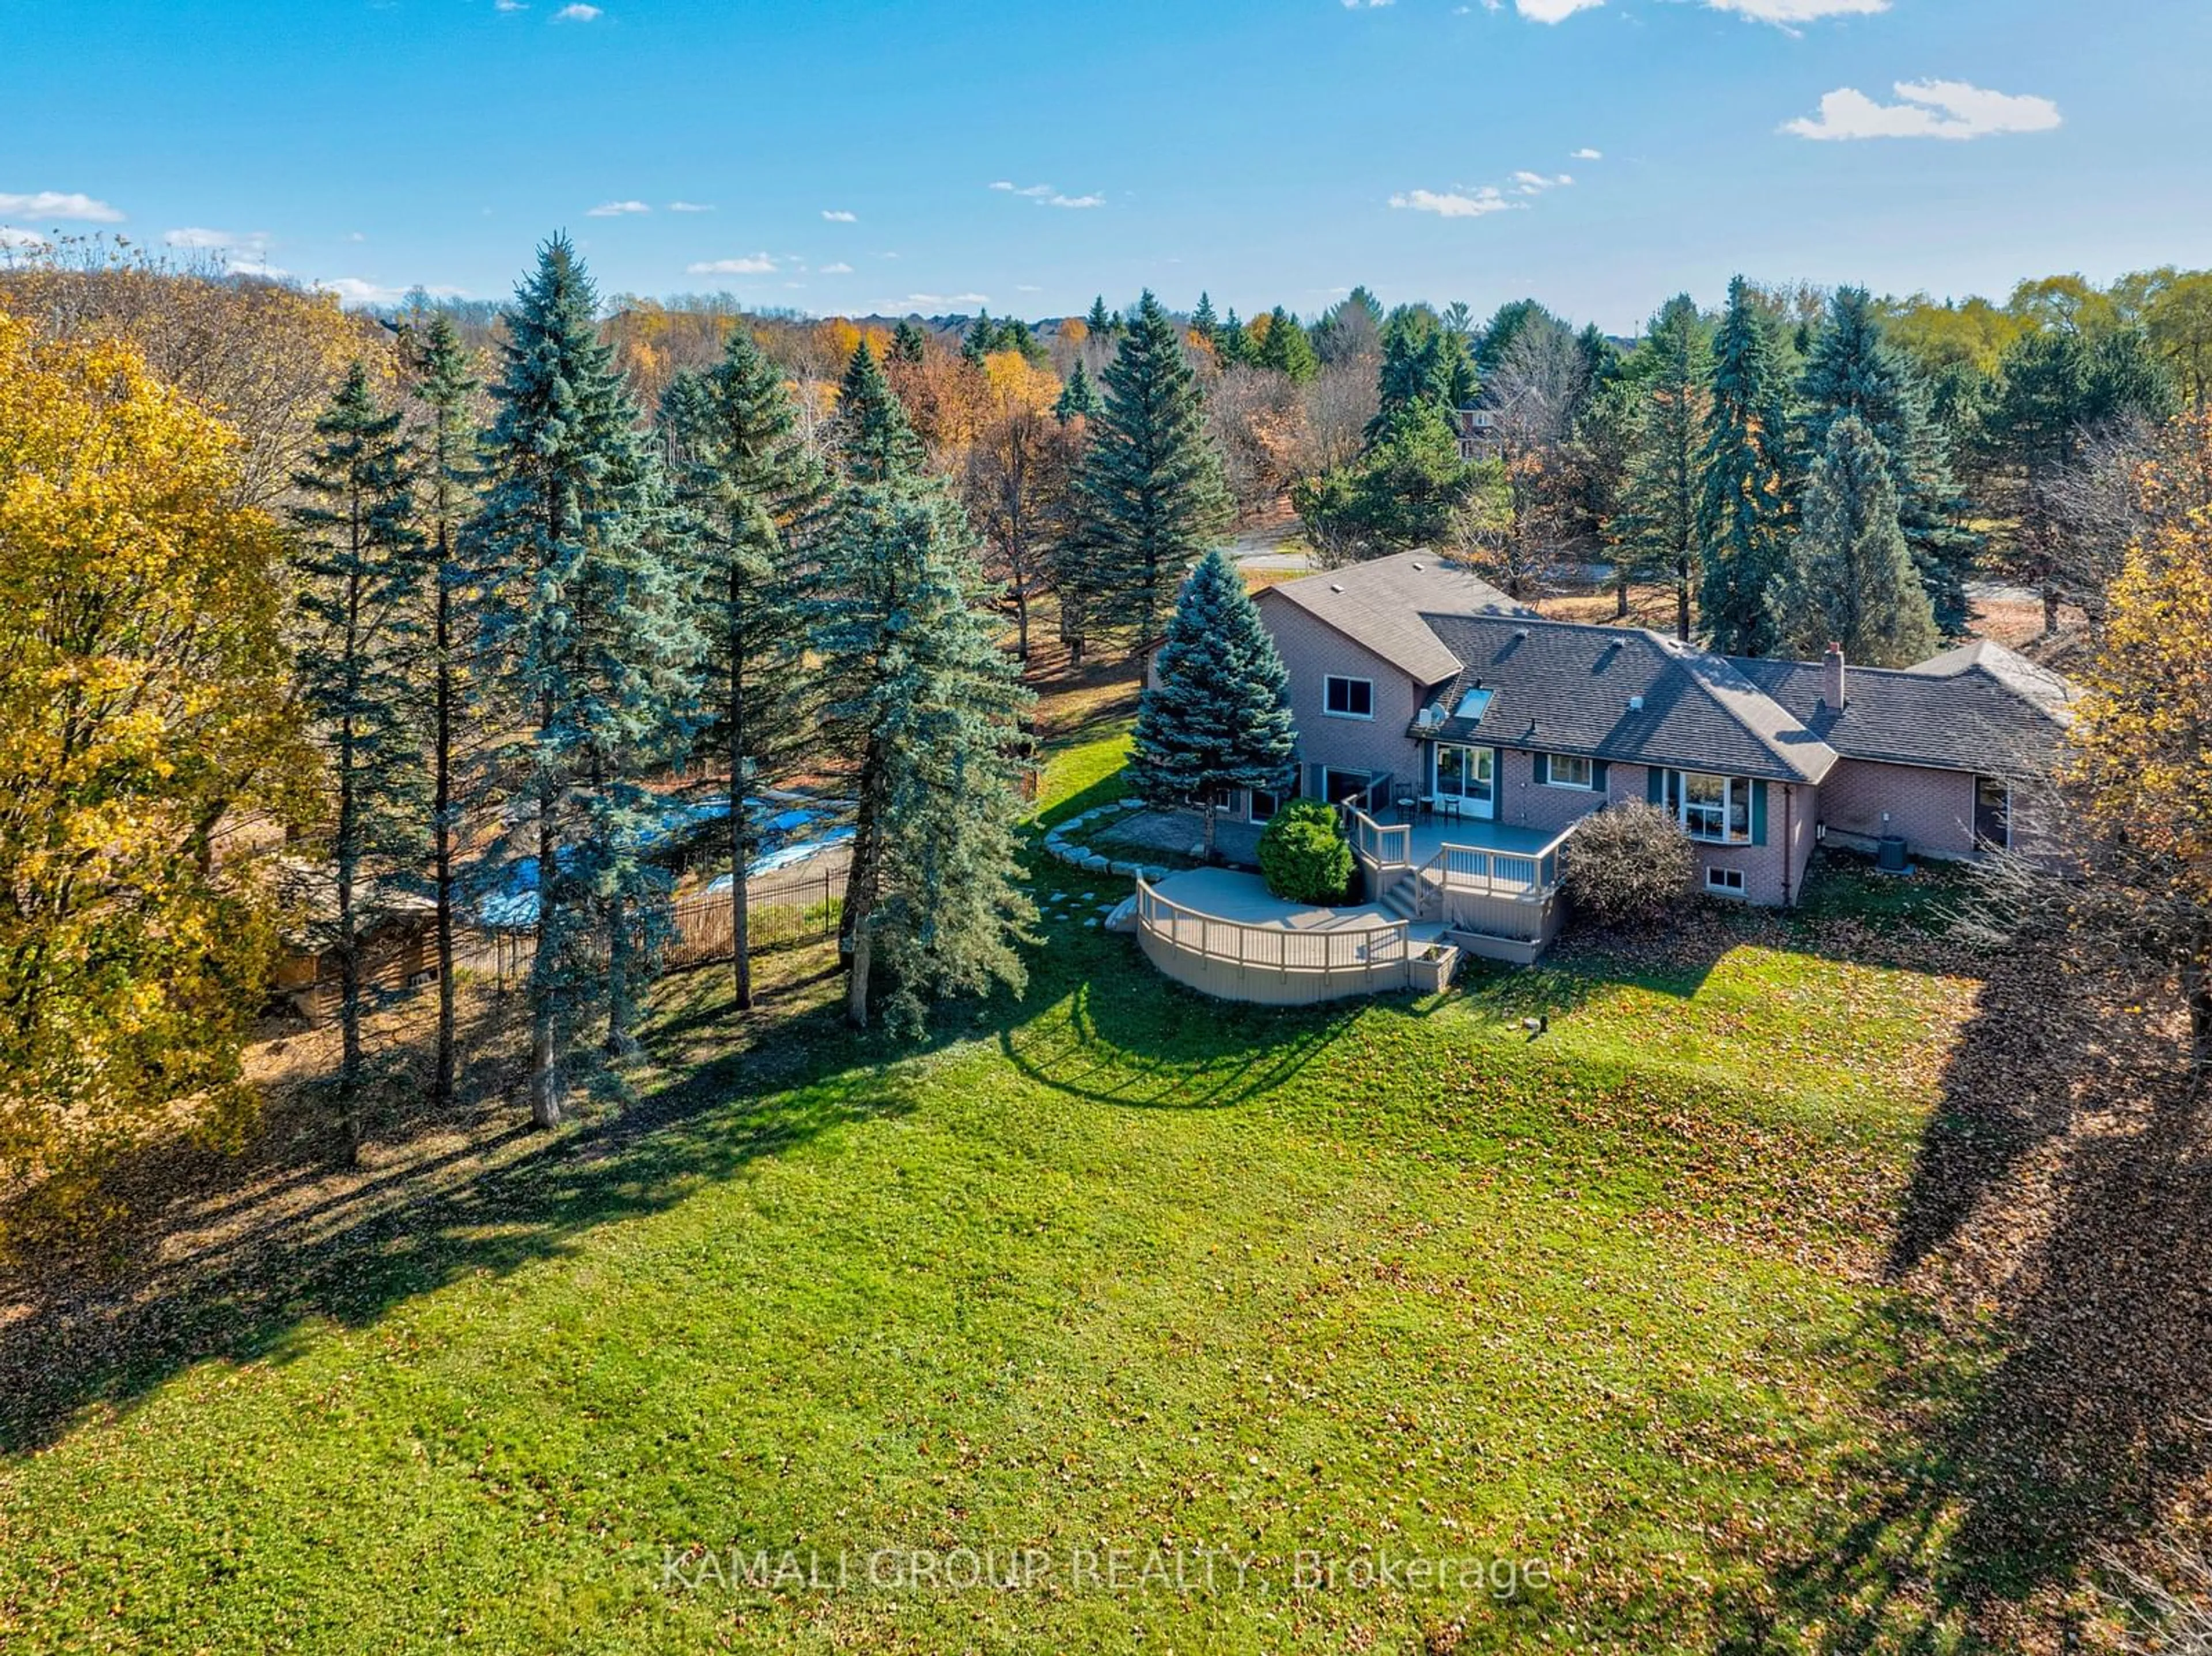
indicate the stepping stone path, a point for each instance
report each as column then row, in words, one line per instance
column 1058, row 841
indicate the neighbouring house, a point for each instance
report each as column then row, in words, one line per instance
column 1477, row 431
column 1469, row 735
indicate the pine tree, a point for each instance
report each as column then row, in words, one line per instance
column 1078, row 397
column 1234, row 346
column 1149, row 494
column 871, row 434
column 1851, row 579
column 1657, row 522
column 1217, row 714
column 752, row 494
column 586, row 613
column 922, row 696
column 1743, row 516
column 908, row 344
column 447, row 391
column 980, row 341
column 1288, row 348
column 1853, row 372
column 1103, row 324
column 359, row 573
column 1203, row 322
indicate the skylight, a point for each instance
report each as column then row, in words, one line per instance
column 1474, row 704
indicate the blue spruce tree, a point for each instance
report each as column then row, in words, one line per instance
column 1217, row 714
column 586, row 623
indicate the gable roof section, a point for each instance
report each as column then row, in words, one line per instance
column 1979, row 708
column 1386, row 605
column 1562, row 687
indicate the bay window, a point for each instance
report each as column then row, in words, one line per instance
column 1712, row 808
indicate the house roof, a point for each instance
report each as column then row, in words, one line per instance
column 1979, row 708
column 1386, row 603
column 1618, row 693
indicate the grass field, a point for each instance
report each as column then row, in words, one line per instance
column 1115, row 1275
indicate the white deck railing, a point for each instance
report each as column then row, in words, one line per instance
column 1273, row 948
column 1386, row 845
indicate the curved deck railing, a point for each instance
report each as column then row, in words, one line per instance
column 1272, row 965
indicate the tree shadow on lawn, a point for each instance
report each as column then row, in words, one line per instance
column 2053, row 1393
column 352, row 1246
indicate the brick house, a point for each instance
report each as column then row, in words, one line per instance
column 1425, row 695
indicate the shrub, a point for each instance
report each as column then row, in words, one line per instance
column 1627, row 865
column 1302, row 853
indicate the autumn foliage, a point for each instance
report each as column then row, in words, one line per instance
column 144, row 708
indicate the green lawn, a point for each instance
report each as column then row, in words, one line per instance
column 1112, row 1268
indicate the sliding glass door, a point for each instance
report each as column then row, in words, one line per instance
column 1466, row 781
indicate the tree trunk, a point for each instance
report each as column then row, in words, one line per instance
column 1209, row 830
column 547, row 1088
column 621, row 959
column 1682, row 598
column 860, row 887
column 856, row 982
column 441, row 806
column 347, row 858
column 2050, row 608
column 1620, row 592
column 741, row 957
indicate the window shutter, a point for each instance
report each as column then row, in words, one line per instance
column 1655, row 786
column 1759, row 813
column 1543, row 764
column 1598, row 769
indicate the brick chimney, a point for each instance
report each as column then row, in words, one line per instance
column 1834, row 687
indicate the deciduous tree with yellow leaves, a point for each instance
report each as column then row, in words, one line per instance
column 143, row 712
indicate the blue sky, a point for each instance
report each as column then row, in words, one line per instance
column 836, row 156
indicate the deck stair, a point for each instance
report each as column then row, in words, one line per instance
column 1402, row 899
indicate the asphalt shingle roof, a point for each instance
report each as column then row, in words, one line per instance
column 1615, row 692
column 1385, row 604
column 1979, row 708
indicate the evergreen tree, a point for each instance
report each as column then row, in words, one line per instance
column 873, row 437
column 1743, row 515
column 1105, row 324
column 359, row 573
column 980, row 341
column 1234, row 346
column 1656, row 525
column 1078, row 396
column 1404, row 492
column 1423, row 360
column 1288, row 350
column 1150, row 491
column 446, row 391
column 1853, row 372
column 1851, row 578
column 1217, row 714
column 752, row 494
column 1203, row 322
column 908, row 344
column 586, row 612
column 928, row 703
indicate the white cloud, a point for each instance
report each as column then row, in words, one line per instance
column 59, row 205
column 10, row 236
column 1786, row 12
column 199, row 238
column 1587, row 155
column 838, row 216
column 758, row 264
column 1553, row 11
column 916, row 302
column 354, row 290
column 688, row 207
column 509, row 5
column 839, row 268
column 1354, row 5
column 1045, row 195
column 1535, row 183
column 576, row 14
column 1458, row 203
column 614, row 210
column 1927, row 109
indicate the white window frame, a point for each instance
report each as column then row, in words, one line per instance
column 1724, row 881
column 1552, row 764
column 1482, row 805
column 1329, row 680
column 1690, row 815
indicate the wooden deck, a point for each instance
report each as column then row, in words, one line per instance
column 1221, row 933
